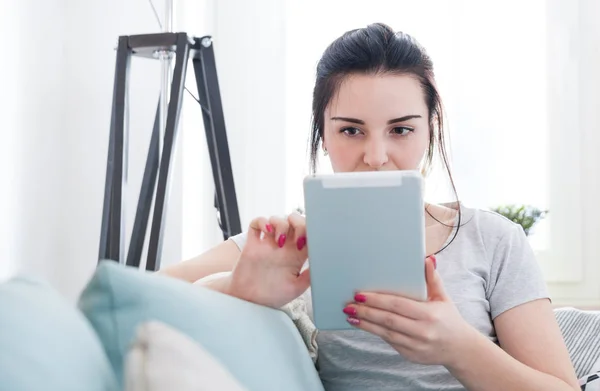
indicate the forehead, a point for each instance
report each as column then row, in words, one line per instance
column 375, row 97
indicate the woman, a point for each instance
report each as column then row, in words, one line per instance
column 488, row 323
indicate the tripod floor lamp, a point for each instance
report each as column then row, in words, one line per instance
column 158, row 163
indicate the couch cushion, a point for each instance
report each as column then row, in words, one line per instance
column 260, row 346
column 581, row 332
column 46, row 343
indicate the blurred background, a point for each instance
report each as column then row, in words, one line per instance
column 519, row 82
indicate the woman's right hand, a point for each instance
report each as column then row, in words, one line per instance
column 269, row 270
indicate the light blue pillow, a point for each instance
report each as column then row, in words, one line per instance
column 260, row 346
column 46, row 343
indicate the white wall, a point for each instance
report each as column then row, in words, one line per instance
column 250, row 44
column 199, row 226
column 32, row 124
column 10, row 135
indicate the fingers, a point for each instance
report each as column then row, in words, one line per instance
column 390, row 336
column 435, row 286
column 385, row 319
column 391, row 303
column 280, row 230
column 283, row 230
column 303, row 281
column 298, row 226
column 259, row 226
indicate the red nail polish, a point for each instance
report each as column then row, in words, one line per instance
column 360, row 298
column 301, row 242
column 353, row 321
column 350, row 311
column 269, row 228
column 434, row 260
column 281, row 240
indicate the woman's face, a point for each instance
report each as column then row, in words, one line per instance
column 377, row 122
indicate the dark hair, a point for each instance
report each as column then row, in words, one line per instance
column 377, row 49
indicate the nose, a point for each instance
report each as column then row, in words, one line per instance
column 375, row 153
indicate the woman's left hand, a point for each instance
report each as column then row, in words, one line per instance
column 430, row 332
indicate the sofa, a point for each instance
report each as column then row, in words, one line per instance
column 134, row 330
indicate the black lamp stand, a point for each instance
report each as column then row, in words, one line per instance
column 201, row 52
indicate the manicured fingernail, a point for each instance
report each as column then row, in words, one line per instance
column 269, row 228
column 350, row 311
column 360, row 298
column 353, row 321
column 281, row 240
column 301, row 242
column 434, row 260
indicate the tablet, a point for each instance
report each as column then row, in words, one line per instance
column 365, row 231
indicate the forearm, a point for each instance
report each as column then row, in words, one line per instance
column 191, row 271
column 219, row 282
column 221, row 258
column 484, row 366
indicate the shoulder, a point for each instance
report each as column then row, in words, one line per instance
column 488, row 227
column 487, row 220
column 504, row 243
column 496, row 249
column 486, row 235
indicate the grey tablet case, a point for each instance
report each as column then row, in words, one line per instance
column 365, row 231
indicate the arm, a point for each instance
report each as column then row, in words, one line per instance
column 532, row 355
column 221, row 258
column 220, row 282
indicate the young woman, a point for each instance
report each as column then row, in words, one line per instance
column 488, row 323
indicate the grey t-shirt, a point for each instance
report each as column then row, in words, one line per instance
column 487, row 269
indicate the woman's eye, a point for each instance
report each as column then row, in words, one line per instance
column 350, row 131
column 402, row 130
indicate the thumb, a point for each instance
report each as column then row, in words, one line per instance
column 256, row 228
column 303, row 281
column 435, row 286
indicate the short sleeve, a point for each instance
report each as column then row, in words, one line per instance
column 240, row 239
column 515, row 276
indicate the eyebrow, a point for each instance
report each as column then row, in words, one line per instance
column 361, row 122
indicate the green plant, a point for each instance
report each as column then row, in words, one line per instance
column 525, row 215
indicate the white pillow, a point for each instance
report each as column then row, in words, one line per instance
column 164, row 359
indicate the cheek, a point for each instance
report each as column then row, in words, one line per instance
column 409, row 155
column 344, row 156
column 406, row 158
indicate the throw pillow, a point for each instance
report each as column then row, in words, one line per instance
column 163, row 359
